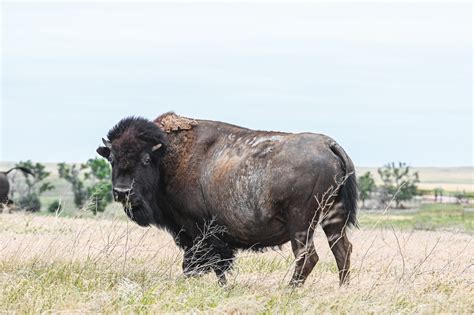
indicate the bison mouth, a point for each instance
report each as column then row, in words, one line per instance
column 139, row 212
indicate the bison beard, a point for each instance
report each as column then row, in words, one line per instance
column 218, row 188
column 141, row 213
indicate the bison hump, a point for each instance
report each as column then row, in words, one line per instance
column 171, row 122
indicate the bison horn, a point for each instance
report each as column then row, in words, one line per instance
column 156, row 147
column 107, row 143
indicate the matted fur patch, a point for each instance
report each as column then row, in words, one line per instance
column 170, row 122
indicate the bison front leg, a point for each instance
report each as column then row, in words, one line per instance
column 221, row 278
column 222, row 261
column 191, row 264
column 207, row 257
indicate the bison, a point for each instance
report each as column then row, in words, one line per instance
column 218, row 188
column 5, row 184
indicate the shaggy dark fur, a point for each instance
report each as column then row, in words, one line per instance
column 139, row 127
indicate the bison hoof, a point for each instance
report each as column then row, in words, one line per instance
column 222, row 281
column 298, row 282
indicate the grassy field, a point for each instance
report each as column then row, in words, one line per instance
column 431, row 217
column 50, row 264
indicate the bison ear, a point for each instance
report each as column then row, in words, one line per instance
column 156, row 147
column 104, row 152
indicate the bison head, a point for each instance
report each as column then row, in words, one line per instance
column 134, row 149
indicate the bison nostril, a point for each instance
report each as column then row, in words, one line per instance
column 121, row 194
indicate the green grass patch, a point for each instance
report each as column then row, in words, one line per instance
column 428, row 217
column 436, row 216
column 263, row 264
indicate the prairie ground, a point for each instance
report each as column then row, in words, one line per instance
column 54, row 264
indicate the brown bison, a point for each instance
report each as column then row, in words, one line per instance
column 5, row 184
column 218, row 188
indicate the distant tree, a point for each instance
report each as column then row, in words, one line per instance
column 72, row 174
column 399, row 183
column 90, row 182
column 35, row 186
column 367, row 186
column 100, row 190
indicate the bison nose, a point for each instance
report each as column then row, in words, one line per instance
column 122, row 194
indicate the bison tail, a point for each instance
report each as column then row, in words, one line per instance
column 348, row 192
column 349, row 196
column 23, row 169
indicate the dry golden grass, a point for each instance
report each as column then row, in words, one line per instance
column 50, row 264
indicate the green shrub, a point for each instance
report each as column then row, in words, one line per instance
column 366, row 186
column 35, row 186
column 55, row 206
column 399, row 183
column 90, row 183
column 30, row 202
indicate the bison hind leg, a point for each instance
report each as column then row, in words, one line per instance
column 305, row 255
column 335, row 224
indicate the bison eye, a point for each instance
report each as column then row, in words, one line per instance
column 146, row 159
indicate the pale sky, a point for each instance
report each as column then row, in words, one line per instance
column 388, row 81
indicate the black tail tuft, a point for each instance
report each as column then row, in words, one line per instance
column 349, row 195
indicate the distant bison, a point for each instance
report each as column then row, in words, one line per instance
column 5, row 184
column 218, row 188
